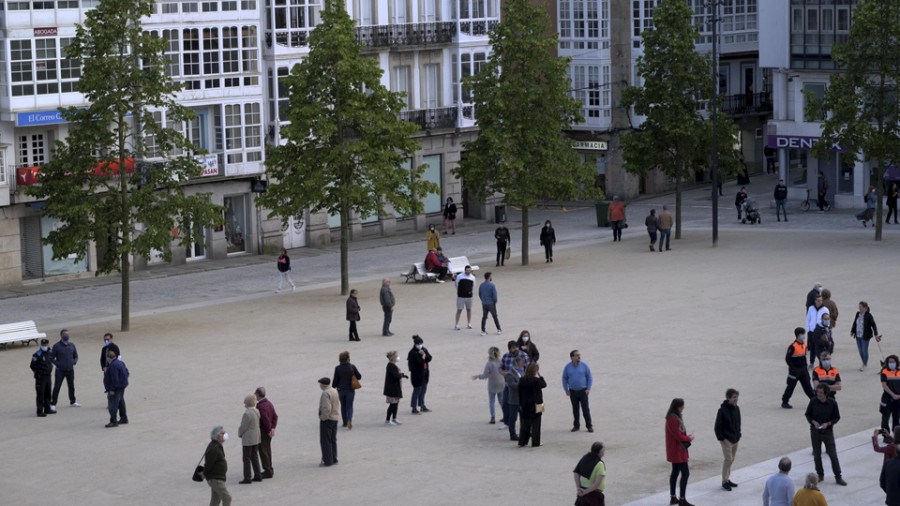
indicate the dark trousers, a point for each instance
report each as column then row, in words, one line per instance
column 388, row 316
column 617, row 230
column 794, row 376
column 889, row 407
column 685, row 472
column 579, row 398
column 512, row 414
column 115, row 403
column 417, row 399
column 441, row 271
column 824, row 436
column 492, row 309
column 891, row 210
column 504, row 405
column 265, row 454
column 652, row 237
column 665, row 234
column 501, row 252
column 346, row 396
column 821, row 201
column 69, row 376
column 548, row 250
column 251, row 459
column 42, row 394
column 328, row 441
column 531, row 429
column 354, row 334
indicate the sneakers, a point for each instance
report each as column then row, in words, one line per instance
column 397, row 422
column 53, row 408
column 862, row 369
column 485, row 333
column 389, row 423
column 293, row 287
column 499, row 332
column 469, row 326
column 502, row 426
column 439, row 280
column 786, row 405
column 456, row 327
column 75, row 405
column 277, row 291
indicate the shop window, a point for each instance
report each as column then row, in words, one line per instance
column 797, row 163
column 235, row 224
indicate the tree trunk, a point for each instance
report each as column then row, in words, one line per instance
column 126, row 230
column 678, row 208
column 524, row 235
column 345, row 249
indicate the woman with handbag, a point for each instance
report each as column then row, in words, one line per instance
column 677, row 443
column 346, row 381
column 531, row 404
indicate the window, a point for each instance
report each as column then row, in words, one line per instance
column 233, row 137
column 31, row 150
column 253, row 132
column 818, row 91
column 283, row 98
column 229, row 5
column 210, row 6
column 171, row 52
column 67, row 4
column 21, row 67
column 170, row 8
column 189, row 7
column 191, row 50
column 230, row 48
column 69, row 68
column 211, row 55
column 150, row 144
column 401, row 84
column 250, row 55
column 431, row 89
column 18, row 6
column 399, row 13
column 579, row 23
column 42, row 4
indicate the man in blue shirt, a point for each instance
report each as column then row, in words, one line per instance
column 577, row 382
column 779, row 489
column 487, row 292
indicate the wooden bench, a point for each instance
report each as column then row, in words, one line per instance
column 458, row 265
column 418, row 273
column 20, row 331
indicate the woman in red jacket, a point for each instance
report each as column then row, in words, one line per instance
column 677, row 442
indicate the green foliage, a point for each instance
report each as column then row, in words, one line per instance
column 861, row 101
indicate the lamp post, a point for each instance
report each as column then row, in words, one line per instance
column 714, row 169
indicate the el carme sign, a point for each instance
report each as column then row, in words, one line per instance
column 801, row 142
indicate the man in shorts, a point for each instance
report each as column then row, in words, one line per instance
column 465, row 287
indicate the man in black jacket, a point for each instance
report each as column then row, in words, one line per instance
column 780, row 199
column 728, row 432
column 215, row 467
column 42, row 366
column 797, row 371
column 108, row 344
column 890, row 481
column 822, row 413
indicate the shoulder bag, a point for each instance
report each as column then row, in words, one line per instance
column 198, row 471
column 354, row 382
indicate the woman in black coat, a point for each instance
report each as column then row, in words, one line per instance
column 343, row 382
column 531, row 404
column 418, row 359
column 393, row 392
column 548, row 239
column 526, row 345
column 863, row 330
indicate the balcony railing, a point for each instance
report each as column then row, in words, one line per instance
column 747, row 103
column 478, row 27
column 409, row 34
column 429, row 119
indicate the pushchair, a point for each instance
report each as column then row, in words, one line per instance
column 751, row 211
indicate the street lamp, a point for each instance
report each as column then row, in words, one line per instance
column 714, row 169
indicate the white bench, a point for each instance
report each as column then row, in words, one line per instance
column 418, row 273
column 20, row 331
column 458, row 265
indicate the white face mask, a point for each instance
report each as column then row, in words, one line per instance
column 45, row 348
column 225, row 437
column 524, row 339
column 418, row 346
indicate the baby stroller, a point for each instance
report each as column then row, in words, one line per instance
column 751, row 211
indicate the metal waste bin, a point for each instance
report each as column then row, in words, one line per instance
column 499, row 214
column 602, row 210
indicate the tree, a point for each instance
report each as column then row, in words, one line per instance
column 95, row 183
column 675, row 136
column 522, row 108
column 346, row 146
column 861, row 104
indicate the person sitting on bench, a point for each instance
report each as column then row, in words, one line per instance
column 433, row 264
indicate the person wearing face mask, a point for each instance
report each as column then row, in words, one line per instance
column 826, row 374
column 418, row 359
column 821, row 336
column 450, row 216
column 432, row 239
column 548, row 239
column 42, row 367
column 502, row 237
column 890, row 399
column 64, row 357
column 615, row 214
column 108, row 344
column 797, row 372
column 527, row 345
column 811, row 296
column 863, row 330
column 215, row 467
column 813, row 320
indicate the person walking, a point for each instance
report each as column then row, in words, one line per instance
column 728, row 432
column 892, row 196
column 666, row 221
column 108, row 344
column 822, row 190
column 677, row 443
column 810, row 495
column 780, row 195
column 215, row 467
column 527, row 345
column 615, row 215
column 465, row 288
column 797, row 370
column 863, row 330
column 495, row 378
column 779, row 490
column 393, row 390
column 449, row 216
column 42, row 367
column 386, row 297
column 115, row 380
column 353, row 314
column 432, row 239
column 329, row 411
column 64, row 356
column 418, row 360
column 487, row 292
column 548, row 239
column 577, row 381
column 250, row 439
column 739, row 200
column 344, row 374
column 268, row 421
column 284, row 271
column 829, row 303
column 868, row 214
column 890, row 397
column 652, row 223
column 531, row 405
column 822, row 413
column 813, row 322
column 826, row 374
column 502, row 237
column 590, row 477
column 513, row 377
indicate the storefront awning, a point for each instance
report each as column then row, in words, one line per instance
column 29, row 176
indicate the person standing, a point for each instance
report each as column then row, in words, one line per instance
column 739, row 200
column 666, row 221
column 892, row 195
column 502, row 237
column 677, row 443
column 42, row 367
column 615, row 215
column 512, row 378
column 418, row 359
column 822, row 413
column 890, row 481
column 487, row 292
column 465, row 288
column 115, row 379
column 890, row 397
column 889, row 449
column 531, row 404
column 432, row 239
column 868, row 214
column 590, row 477
column 527, row 345
column 814, row 319
column 215, row 467
column 548, row 239
column 268, row 420
column 780, row 195
column 329, row 411
column 506, row 364
column 64, row 357
column 797, row 371
column 810, row 495
column 779, row 489
column 250, row 439
column 728, row 432
column 822, row 187
column 108, row 344
column 864, row 329
column 284, row 271
column 393, row 390
column 577, row 381
column 450, row 216
column 386, row 296
column 494, row 376
column 344, row 373
column 353, row 314
column 652, row 223
column 827, row 374
column 829, row 303
column 811, row 296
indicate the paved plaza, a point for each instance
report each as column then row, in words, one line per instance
column 652, row 326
